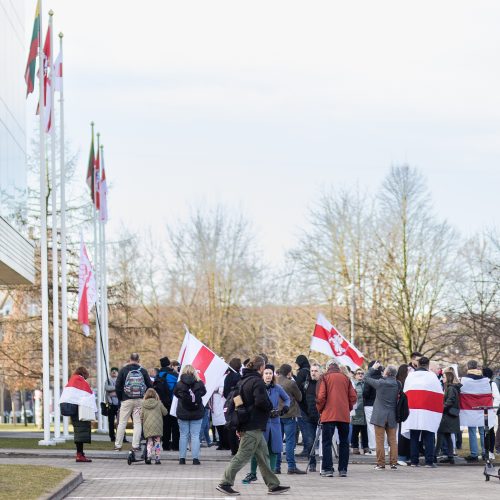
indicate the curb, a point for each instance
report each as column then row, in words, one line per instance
column 65, row 487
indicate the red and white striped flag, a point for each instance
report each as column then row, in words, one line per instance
column 103, row 193
column 87, row 292
column 78, row 392
column 47, row 97
column 328, row 340
column 211, row 368
column 425, row 400
column 57, row 73
column 473, row 393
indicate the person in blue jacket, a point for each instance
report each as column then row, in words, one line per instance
column 272, row 435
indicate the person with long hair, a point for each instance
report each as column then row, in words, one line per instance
column 189, row 391
column 450, row 421
column 403, row 442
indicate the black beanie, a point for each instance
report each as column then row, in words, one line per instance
column 164, row 362
column 269, row 366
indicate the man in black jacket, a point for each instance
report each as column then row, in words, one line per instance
column 131, row 384
column 302, row 378
column 256, row 401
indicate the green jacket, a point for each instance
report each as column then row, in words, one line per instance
column 359, row 413
column 152, row 417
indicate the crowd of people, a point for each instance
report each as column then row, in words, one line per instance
column 258, row 413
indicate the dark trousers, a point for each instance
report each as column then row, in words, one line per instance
column 356, row 431
column 170, row 433
column 112, row 413
column 328, row 429
column 428, row 442
column 234, row 441
column 446, row 438
column 223, row 437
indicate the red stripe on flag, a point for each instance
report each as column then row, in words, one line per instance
column 354, row 356
column 425, row 400
column 469, row 401
column 321, row 333
column 78, row 382
column 202, row 361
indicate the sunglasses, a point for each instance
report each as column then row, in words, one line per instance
column 360, row 373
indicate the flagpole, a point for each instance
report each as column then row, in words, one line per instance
column 98, row 273
column 64, row 285
column 46, row 441
column 55, row 263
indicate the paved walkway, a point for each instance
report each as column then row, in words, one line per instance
column 114, row 479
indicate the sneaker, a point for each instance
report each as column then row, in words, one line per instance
column 80, row 457
column 227, row 489
column 394, row 467
column 370, row 452
column 250, row 477
column 414, row 465
column 366, row 451
column 296, row 471
column 278, row 490
column 326, row 473
column 472, row 458
column 430, row 466
column 355, row 451
column 491, row 456
column 402, row 463
column 196, row 461
column 157, row 461
column 118, row 448
column 379, row 467
column 135, row 449
column 342, row 473
column 182, row 461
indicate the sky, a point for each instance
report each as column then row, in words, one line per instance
column 262, row 105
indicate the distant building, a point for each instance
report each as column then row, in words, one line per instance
column 17, row 264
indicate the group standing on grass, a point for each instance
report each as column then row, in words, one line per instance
column 256, row 409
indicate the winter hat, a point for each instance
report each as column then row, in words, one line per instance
column 164, row 362
column 269, row 366
column 302, row 361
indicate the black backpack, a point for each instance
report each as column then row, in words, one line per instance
column 402, row 408
column 236, row 417
column 191, row 400
column 161, row 387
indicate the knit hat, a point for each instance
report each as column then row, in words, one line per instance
column 164, row 362
column 269, row 366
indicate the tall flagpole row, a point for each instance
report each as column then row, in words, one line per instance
column 64, row 283
column 43, row 258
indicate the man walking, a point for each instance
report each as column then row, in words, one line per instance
column 289, row 419
column 131, row 384
column 258, row 408
column 335, row 399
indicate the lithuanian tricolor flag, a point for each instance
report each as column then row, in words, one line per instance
column 29, row 74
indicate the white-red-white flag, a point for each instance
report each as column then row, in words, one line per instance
column 328, row 340
column 473, row 393
column 57, row 73
column 103, row 193
column 210, row 367
column 87, row 292
column 46, row 99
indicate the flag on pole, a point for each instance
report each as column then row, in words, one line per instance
column 90, row 168
column 211, row 368
column 328, row 340
column 97, row 177
column 29, row 74
column 87, row 294
column 47, row 96
column 473, row 393
column 103, row 192
column 425, row 401
column 57, row 73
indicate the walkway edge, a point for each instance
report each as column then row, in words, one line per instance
column 65, row 487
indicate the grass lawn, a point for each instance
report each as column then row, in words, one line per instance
column 32, row 443
column 29, row 481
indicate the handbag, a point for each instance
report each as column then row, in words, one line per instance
column 104, row 409
column 68, row 409
column 85, row 414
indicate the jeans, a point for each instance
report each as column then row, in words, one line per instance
column 356, row 431
column 328, row 428
column 473, row 440
column 189, row 429
column 310, row 429
column 304, row 426
column 428, row 440
column 252, row 444
column 444, row 443
column 289, row 429
column 205, row 427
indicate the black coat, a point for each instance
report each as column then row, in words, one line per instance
column 310, row 402
column 185, row 390
column 81, row 428
column 369, row 392
column 450, row 423
column 254, row 394
column 232, row 378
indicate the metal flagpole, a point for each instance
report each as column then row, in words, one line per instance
column 43, row 259
column 55, row 263
column 64, row 285
column 98, row 331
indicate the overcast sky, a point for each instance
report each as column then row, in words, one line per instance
column 261, row 104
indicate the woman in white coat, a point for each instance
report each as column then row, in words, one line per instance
column 218, row 419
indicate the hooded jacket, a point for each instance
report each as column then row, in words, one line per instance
column 189, row 392
column 303, row 374
column 292, row 389
column 152, row 417
column 253, row 391
column 164, row 385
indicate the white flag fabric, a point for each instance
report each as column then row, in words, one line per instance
column 87, row 291
column 425, row 401
column 57, row 73
column 210, row 367
column 473, row 393
column 328, row 340
column 103, row 193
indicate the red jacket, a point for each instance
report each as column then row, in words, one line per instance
column 335, row 396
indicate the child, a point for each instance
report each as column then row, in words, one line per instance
column 152, row 424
